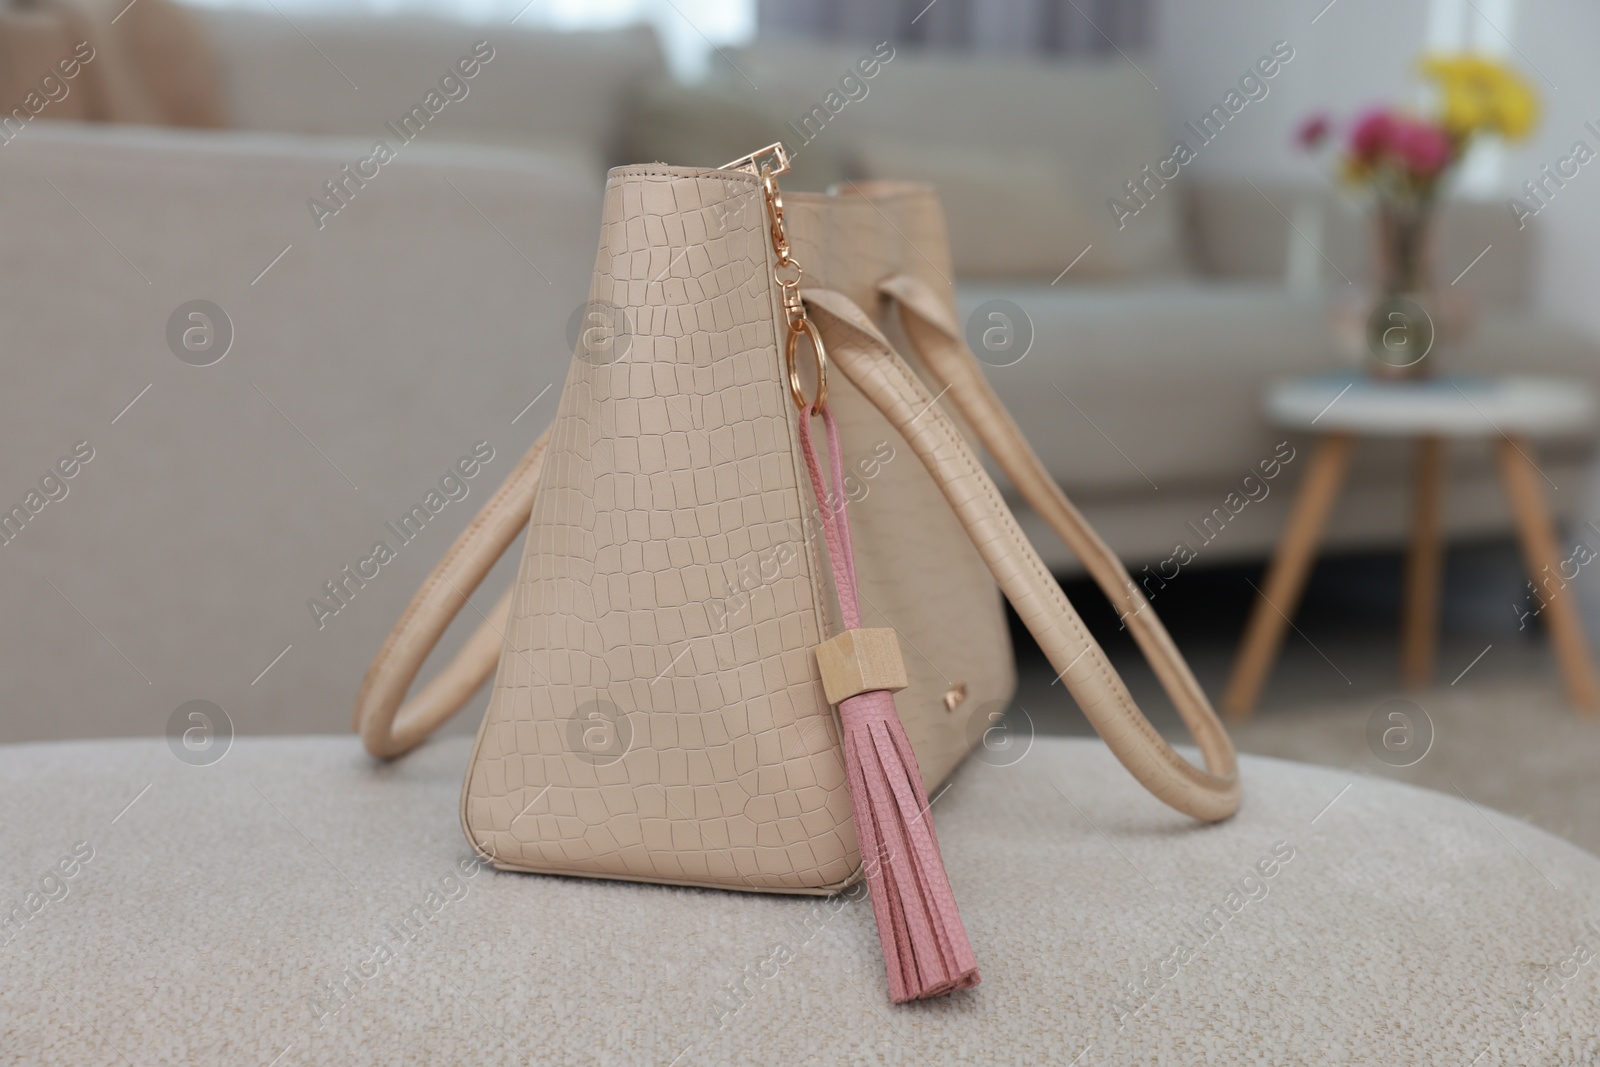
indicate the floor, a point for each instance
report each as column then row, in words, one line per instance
column 1502, row 734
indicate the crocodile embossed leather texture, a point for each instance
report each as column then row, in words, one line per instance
column 917, row 569
column 658, row 713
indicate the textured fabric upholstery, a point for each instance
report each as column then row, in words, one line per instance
column 1377, row 923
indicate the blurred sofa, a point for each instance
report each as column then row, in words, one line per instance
column 368, row 354
column 1148, row 357
column 372, row 347
column 1141, row 389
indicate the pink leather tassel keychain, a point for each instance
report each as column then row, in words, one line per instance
column 925, row 947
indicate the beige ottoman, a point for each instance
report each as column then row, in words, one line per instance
column 295, row 903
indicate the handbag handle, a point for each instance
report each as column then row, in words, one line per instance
column 936, row 339
column 389, row 724
column 866, row 358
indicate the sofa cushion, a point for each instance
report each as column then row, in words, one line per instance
column 1145, row 404
column 1020, row 218
column 1238, row 233
column 1100, row 121
column 1167, row 379
column 357, row 73
column 310, row 904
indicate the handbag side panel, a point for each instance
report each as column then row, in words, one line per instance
column 657, row 714
column 917, row 569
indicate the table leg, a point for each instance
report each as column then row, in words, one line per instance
column 1419, row 616
column 1286, row 578
column 1542, row 554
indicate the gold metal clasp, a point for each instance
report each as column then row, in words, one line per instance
column 767, row 164
column 751, row 164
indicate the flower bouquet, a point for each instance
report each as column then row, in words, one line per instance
column 1401, row 160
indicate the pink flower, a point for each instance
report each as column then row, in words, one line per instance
column 1313, row 131
column 1424, row 148
column 1370, row 136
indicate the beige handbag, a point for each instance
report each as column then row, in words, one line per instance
column 662, row 708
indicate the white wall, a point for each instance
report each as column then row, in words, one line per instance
column 1357, row 53
column 1559, row 38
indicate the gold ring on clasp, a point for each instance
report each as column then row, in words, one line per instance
column 806, row 326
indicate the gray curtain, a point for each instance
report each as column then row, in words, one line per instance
column 1047, row 27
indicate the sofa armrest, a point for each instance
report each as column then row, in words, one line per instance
column 534, row 86
column 368, row 356
column 1240, row 232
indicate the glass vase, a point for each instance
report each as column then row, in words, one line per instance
column 1402, row 327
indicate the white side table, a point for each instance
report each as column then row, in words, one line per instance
column 1341, row 407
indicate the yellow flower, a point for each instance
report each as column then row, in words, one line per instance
column 1480, row 95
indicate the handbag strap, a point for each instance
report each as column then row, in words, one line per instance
column 389, row 724
column 936, row 339
column 854, row 344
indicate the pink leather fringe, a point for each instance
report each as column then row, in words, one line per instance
column 925, row 947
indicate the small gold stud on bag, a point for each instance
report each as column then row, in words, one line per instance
column 659, row 712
